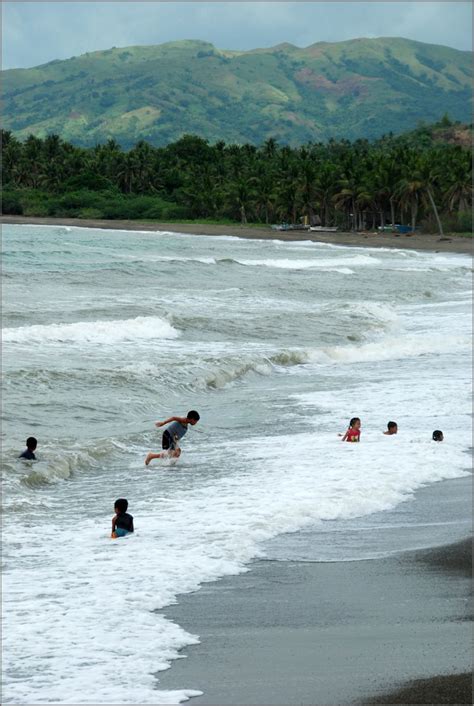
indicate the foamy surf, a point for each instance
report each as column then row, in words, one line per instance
column 195, row 535
column 276, row 355
column 101, row 332
column 309, row 263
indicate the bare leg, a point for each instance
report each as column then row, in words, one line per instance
column 151, row 456
column 173, row 453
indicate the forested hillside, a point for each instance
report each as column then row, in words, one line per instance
column 360, row 88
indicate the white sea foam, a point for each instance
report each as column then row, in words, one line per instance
column 391, row 348
column 165, row 258
column 343, row 270
column 84, row 586
column 309, row 263
column 103, row 332
column 388, row 348
column 377, row 311
column 332, row 265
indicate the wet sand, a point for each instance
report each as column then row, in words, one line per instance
column 451, row 243
column 394, row 630
column 455, row 689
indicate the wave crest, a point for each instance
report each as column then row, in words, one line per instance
column 103, row 332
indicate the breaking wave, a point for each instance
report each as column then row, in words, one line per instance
column 337, row 264
column 103, row 332
column 391, row 348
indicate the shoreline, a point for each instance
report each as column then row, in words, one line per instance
column 452, row 243
column 391, row 630
column 395, row 629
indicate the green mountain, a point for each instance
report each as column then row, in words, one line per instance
column 352, row 89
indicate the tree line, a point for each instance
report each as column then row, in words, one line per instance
column 408, row 179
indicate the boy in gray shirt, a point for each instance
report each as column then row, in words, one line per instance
column 178, row 426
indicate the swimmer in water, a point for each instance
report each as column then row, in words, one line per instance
column 29, row 452
column 178, row 426
column 392, row 428
column 353, row 433
column 438, row 435
column 122, row 522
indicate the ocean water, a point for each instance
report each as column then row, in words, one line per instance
column 276, row 345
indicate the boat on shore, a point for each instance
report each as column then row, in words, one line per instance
column 290, row 226
column 323, row 229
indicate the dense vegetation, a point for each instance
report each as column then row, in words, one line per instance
column 405, row 179
column 360, row 88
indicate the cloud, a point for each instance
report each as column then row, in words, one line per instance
column 37, row 32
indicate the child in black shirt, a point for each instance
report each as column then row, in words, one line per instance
column 28, row 453
column 122, row 522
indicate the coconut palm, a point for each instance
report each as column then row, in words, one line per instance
column 459, row 180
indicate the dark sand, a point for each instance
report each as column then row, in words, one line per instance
column 394, row 630
column 455, row 689
column 451, row 243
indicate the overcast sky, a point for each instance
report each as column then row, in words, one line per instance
column 37, row 32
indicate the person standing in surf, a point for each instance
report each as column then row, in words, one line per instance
column 178, row 426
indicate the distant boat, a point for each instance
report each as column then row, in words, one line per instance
column 323, row 229
column 396, row 228
column 290, row 226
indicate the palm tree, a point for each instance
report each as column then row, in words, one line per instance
column 288, row 194
column 265, row 193
column 430, row 170
column 307, row 188
column 12, row 151
column 241, row 195
column 409, row 191
column 459, row 177
column 327, row 178
column 32, row 166
column 385, row 176
column 347, row 199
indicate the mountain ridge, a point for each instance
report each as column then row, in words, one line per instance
column 355, row 88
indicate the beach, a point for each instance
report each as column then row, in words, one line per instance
column 286, row 566
column 305, row 633
column 429, row 242
column 395, row 629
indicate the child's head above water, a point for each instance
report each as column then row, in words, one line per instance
column 31, row 443
column 193, row 417
column 438, row 435
column 354, row 423
column 121, row 505
column 392, row 427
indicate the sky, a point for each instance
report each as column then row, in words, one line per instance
column 37, row 32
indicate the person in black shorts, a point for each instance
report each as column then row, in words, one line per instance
column 122, row 522
column 29, row 452
column 178, row 426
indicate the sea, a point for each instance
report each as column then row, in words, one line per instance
column 276, row 345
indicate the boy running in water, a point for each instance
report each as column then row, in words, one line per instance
column 178, row 426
